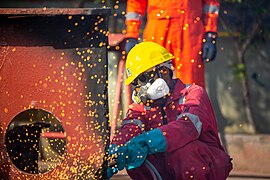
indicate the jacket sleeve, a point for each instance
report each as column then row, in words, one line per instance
column 132, row 125
column 135, row 10
column 210, row 15
column 192, row 121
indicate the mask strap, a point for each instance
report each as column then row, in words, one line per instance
column 158, row 72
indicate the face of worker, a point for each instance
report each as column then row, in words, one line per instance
column 151, row 85
column 151, row 75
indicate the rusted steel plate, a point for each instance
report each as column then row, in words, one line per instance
column 53, row 80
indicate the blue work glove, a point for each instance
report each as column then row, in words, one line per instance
column 130, row 43
column 138, row 147
column 111, row 171
column 209, row 47
column 115, row 165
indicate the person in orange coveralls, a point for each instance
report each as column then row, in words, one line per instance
column 187, row 28
column 170, row 130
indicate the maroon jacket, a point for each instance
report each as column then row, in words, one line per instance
column 193, row 100
column 187, row 116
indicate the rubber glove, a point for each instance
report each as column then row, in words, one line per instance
column 114, row 164
column 138, row 147
column 130, row 43
column 111, row 171
column 209, row 47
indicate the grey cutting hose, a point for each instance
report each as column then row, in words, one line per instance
column 154, row 172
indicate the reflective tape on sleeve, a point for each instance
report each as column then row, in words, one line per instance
column 210, row 9
column 183, row 98
column 134, row 121
column 133, row 16
column 194, row 119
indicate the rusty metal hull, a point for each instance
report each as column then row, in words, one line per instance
column 56, row 60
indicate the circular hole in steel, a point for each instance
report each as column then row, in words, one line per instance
column 35, row 141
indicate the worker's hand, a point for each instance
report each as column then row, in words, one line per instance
column 130, row 43
column 209, row 47
column 111, row 171
column 114, row 164
column 138, row 147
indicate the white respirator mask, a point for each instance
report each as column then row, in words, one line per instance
column 155, row 90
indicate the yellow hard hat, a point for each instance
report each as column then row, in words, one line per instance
column 144, row 56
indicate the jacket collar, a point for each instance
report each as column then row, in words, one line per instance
column 178, row 92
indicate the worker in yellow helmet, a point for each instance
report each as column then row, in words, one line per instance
column 170, row 130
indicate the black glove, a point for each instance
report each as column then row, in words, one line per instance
column 209, row 47
column 130, row 43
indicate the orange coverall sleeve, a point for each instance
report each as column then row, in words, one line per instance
column 135, row 10
column 210, row 15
